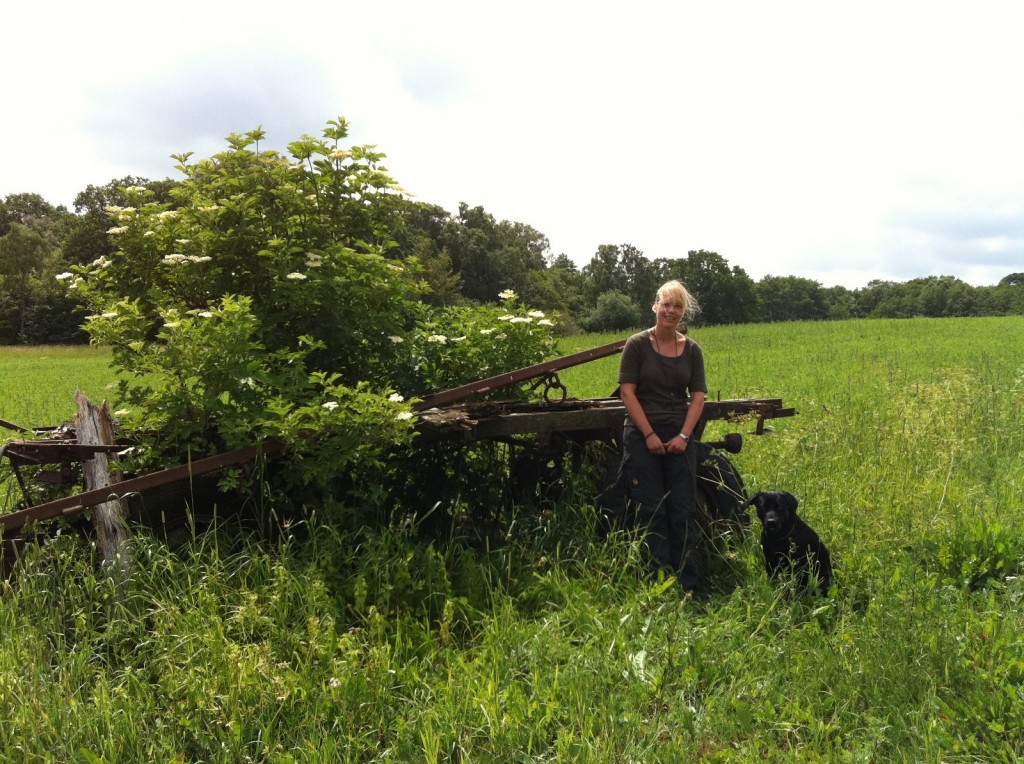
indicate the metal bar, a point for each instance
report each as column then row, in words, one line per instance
column 519, row 375
column 12, row 426
column 488, row 421
column 70, row 505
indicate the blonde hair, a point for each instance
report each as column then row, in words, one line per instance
column 675, row 292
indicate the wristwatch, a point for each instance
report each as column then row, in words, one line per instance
column 684, row 436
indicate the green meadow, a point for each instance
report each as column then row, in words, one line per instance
column 546, row 644
column 38, row 383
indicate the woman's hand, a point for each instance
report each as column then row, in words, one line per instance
column 677, row 445
column 655, row 446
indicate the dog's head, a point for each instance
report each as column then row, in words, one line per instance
column 775, row 509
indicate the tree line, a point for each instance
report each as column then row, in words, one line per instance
column 469, row 257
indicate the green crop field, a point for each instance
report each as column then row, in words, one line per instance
column 546, row 645
column 37, row 384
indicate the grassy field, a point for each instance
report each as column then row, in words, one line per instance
column 905, row 455
column 37, row 384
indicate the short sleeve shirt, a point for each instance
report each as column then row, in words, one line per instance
column 664, row 384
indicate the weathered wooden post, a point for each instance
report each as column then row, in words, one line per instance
column 95, row 426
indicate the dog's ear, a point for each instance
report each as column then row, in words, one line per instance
column 790, row 501
column 756, row 500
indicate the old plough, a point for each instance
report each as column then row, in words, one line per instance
column 41, row 469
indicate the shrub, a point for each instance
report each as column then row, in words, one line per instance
column 262, row 302
column 614, row 311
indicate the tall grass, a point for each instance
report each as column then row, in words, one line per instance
column 547, row 646
column 37, row 383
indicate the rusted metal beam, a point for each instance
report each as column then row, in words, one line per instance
column 71, row 505
column 519, row 375
column 480, row 421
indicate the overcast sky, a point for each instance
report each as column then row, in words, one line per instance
column 841, row 142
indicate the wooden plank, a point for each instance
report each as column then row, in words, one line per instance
column 95, row 426
column 70, row 505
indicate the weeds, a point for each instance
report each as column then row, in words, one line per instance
column 547, row 644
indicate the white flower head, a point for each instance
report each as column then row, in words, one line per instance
column 487, row 331
column 396, row 339
column 544, row 322
column 438, row 338
column 119, row 229
column 507, row 294
column 403, row 416
column 64, row 276
column 331, row 405
column 536, row 314
column 296, row 276
column 506, row 317
column 396, row 398
column 521, row 320
column 174, row 258
column 109, row 315
column 205, row 314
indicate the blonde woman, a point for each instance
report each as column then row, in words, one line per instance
column 663, row 387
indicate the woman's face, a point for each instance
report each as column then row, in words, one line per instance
column 670, row 312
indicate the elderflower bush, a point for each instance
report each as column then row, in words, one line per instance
column 261, row 302
column 460, row 345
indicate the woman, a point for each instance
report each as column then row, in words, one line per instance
column 662, row 384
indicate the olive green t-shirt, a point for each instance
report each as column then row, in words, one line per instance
column 663, row 383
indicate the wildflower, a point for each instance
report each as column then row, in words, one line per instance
column 200, row 259
column 122, row 412
column 506, row 317
column 521, row 320
column 396, row 398
column 486, row 331
column 209, row 208
column 459, row 339
column 438, row 338
column 119, row 229
column 334, row 682
column 396, row 339
column 544, row 322
column 172, row 324
column 174, row 258
column 338, row 154
column 147, row 234
column 536, row 314
column 296, row 276
column 248, row 382
column 183, row 242
column 205, row 314
column 331, row 405
column 167, row 215
column 109, row 315
column 403, row 416
column 508, row 294
column 63, row 276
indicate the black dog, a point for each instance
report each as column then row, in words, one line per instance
column 789, row 543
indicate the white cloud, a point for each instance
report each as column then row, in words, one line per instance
column 841, row 143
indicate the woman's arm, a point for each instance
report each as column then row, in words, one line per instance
column 627, row 391
column 678, row 444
